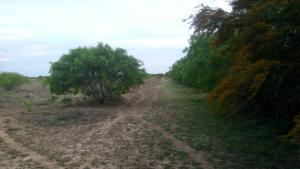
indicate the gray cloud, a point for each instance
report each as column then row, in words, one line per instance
column 33, row 33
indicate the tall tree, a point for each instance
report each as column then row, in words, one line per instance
column 262, row 38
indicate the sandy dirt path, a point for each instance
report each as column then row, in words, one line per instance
column 122, row 140
column 197, row 156
column 30, row 155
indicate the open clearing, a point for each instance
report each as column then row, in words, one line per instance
column 115, row 135
column 158, row 125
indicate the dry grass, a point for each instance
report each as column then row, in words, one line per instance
column 77, row 135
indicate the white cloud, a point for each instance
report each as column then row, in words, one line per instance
column 5, row 59
column 159, row 42
column 14, row 34
column 45, row 29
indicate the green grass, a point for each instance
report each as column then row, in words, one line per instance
column 233, row 141
column 9, row 80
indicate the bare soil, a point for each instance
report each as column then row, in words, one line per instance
column 114, row 135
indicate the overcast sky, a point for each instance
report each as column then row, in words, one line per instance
column 36, row 32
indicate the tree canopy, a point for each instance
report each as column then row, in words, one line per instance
column 100, row 72
column 202, row 66
column 259, row 44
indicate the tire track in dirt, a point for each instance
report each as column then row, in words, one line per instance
column 137, row 109
column 195, row 155
column 34, row 156
column 103, row 128
column 122, row 113
column 138, row 112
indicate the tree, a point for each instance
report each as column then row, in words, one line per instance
column 202, row 66
column 100, row 72
column 262, row 38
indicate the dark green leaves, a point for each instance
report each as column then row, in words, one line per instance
column 100, row 72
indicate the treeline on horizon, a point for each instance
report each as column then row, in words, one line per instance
column 247, row 59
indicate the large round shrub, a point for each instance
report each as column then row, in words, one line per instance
column 100, row 72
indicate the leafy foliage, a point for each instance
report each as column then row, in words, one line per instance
column 245, row 84
column 100, row 72
column 261, row 38
column 208, row 20
column 9, row 80
column 202, row 67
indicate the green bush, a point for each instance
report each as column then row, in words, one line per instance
column 66, row 100
column 203, row 66
column 10, row 81
column 52, row 98
column 99, row 72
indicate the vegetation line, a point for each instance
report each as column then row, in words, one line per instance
column 247, row 60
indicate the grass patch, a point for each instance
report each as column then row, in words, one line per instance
column 9, row 80
column 233, row 141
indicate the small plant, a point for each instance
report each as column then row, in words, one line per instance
column 53, row 98
column 28, row 106
column 66, row 100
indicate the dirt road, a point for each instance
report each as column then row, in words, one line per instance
column 109, row 136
